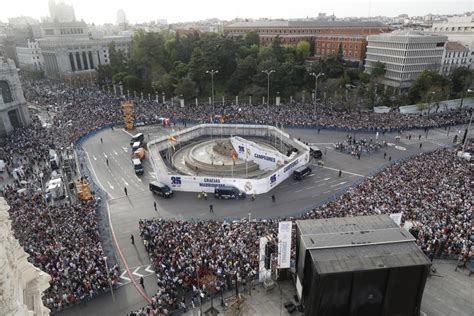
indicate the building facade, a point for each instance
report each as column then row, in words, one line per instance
column 69, row 50
column 405, row 55
column 13, row 107
column 325, row 35
column 21, row 284
column 455, row 55
column 457, row 29
column 353, row 46
column 30, row 57
column 61, row 11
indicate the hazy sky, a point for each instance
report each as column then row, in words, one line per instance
column 102, row 11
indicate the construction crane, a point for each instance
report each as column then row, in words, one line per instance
column 127, row 110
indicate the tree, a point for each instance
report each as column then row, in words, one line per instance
column 462, row 79
column 252, row 38
column 427, row 82
column 186, row 87
column 302, row 50
column 378, row 71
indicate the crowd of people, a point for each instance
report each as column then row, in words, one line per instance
column 432, row 190
column 64, row 240
column 356, row 147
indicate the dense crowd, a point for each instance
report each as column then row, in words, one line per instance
column 432, row 190
column 64, row 240
column 96, row 108
column 356, row 147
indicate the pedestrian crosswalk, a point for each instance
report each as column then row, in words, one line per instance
column 137, row 273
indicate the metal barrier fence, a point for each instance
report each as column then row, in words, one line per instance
column 101, row 199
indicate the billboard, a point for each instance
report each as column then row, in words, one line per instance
column 284, row 244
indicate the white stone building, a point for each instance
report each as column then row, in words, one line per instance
column 13, row 107
column 61, row 11
column 457, row 29
column 30, row 57
column 455, row 55
column 405, row 55
column 69, row 50
column 21, row 284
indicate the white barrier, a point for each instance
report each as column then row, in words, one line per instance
column 191, row 183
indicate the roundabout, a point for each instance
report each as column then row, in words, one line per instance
column 196, row 160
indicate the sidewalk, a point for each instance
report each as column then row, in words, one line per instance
column 260, row 302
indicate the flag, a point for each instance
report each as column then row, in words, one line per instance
column 221, row 118
column 172, row 138
column 233, row 155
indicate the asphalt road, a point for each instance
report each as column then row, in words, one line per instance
column 292, row 197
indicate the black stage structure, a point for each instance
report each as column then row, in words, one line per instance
column 359, row 266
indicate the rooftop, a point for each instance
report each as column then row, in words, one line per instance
column 264, row 24
column 358, row 243
column 455, row 46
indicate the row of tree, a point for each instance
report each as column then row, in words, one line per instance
column 177, row 64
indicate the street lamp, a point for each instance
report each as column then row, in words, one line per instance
column 212, row 73
column 316, row 77
column 268, row 72
column 463, row 96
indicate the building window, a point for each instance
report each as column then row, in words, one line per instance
column 5, row 91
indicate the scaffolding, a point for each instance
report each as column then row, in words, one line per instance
column 127, row 110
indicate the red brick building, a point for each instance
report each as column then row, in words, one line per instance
column 326, row 35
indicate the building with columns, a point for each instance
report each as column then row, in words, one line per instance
column 69, row 50
column 405, row 55
column 13, row 107
column 21, row 284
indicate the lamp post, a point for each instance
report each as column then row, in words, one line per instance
column 463, row 96
column 316, row 77
column 268, row 72
column 212, row 73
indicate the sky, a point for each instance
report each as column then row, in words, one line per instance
column 105, row 11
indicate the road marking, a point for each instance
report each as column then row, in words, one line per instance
column 315, row 195
column 136, row 273
column 95, row 174
column 311, row 175
column 326, row 179
column 355, row 174
column 147, row 269
column 310, row 187
column 126, row 183
column 335, row 185
column 321, row 184
column 125, row 131
column 298, row 191
column 326, row 192
column 125, row 149
column 139, row 179
column 311, row 144
column 283, row 186
column 122, row 276
column 116, row 153
column 94, row 157
column 110, row 185
column 105, row 155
